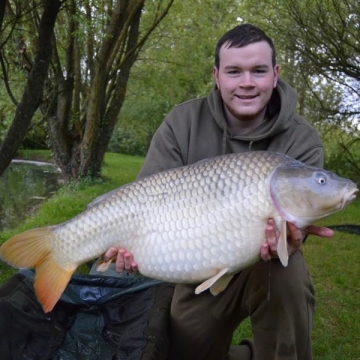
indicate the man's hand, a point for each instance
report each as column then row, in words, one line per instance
column 295, row 238
column 124, row 260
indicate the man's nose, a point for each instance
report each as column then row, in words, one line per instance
column 246, row 79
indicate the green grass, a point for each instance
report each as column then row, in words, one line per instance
column 333, row 263
column 335, row 268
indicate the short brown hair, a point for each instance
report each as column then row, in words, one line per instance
column 241, row 36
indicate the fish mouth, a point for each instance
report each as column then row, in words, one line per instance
column 350, row 197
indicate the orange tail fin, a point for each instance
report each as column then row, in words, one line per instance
column 32, row 249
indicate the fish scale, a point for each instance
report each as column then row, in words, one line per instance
column 198, row 223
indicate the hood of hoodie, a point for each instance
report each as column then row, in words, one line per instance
column 281, row 109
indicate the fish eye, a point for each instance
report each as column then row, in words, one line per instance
column 320, row 179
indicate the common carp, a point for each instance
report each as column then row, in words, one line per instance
column 200, row 223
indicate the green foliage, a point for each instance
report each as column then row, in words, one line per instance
column 342, row 151
column 137, row 125
column 345, row 160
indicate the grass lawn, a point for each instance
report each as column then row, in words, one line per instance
column 333, row 263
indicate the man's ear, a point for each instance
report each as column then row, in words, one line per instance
column 216, row 76
column 276, row 75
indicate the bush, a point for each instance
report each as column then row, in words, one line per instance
column 127, row 143
column 344, row 160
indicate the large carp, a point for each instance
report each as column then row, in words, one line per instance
column 199, row 223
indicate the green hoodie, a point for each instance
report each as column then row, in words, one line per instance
column 197, row 129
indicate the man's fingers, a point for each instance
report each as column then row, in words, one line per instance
column 271, row 235
column 295, row 238
column 120, row 261
column 134, row 266
column 320, row 231
column 124, row 260
column 268, row 250
column 128, row 260
column 265, row 252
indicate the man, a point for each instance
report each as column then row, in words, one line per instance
column 249, row 109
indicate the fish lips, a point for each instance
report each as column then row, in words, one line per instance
column 348, row 199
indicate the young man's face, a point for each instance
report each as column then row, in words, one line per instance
column 246, row 78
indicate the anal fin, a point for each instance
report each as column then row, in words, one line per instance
column 102, row 265
column 217, row 283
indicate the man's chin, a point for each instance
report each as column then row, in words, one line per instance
column 247, row 115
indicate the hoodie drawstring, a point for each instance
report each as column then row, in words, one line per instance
column 224, row 139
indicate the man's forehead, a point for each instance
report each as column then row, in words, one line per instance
column 258, row 44
column 259, row 53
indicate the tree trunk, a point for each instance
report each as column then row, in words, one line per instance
column 92, row 153
column 63, row 141
column 32, row 95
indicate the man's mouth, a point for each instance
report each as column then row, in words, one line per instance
column 246, row 97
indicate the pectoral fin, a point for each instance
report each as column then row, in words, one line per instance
column 217, row 283
column 282, row 241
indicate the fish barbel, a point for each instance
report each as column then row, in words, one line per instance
column 200, row 223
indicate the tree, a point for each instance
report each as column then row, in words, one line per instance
column 32, row 95
column 95, row 46
column 325, row 37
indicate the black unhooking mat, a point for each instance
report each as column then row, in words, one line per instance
column 97, row 317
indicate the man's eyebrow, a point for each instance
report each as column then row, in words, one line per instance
column 258, row 66
column 261, row 66
column 231, row 67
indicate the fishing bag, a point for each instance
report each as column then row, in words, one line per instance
column 97, row 317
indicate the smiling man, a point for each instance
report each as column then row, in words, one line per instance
column 250, row 108
column 245, row 78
